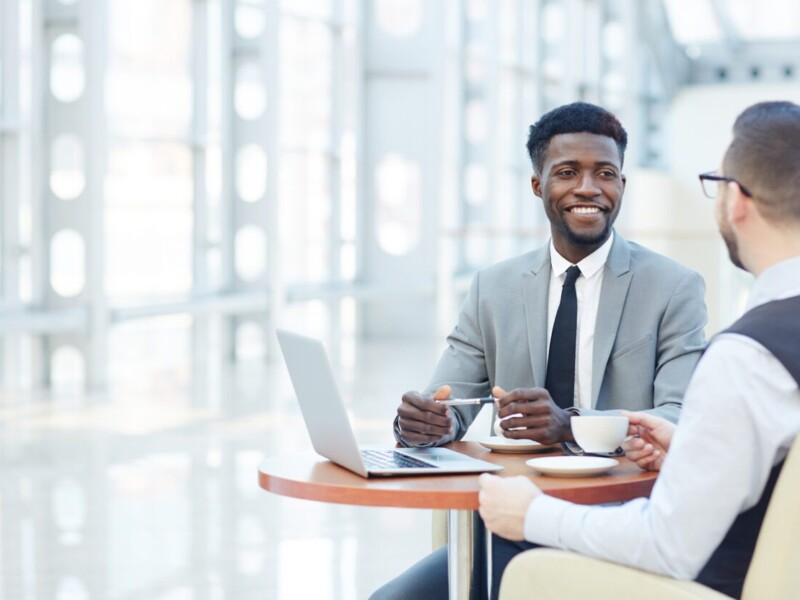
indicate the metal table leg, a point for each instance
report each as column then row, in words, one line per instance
column 460, row 554
column 469, row 549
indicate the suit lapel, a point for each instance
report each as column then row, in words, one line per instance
column 535, row 291
column 616, row 281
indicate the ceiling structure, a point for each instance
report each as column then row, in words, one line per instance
column 737, row 40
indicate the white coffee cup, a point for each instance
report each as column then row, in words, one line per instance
column 502, row 432
column 602, row 433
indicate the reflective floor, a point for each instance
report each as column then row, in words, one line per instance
column 150, row 489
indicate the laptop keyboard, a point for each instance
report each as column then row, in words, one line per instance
column 388, row 459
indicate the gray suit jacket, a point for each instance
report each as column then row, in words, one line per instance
column 648, row 336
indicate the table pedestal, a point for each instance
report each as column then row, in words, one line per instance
column 464, row 533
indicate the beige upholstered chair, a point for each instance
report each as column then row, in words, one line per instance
column 774, row 573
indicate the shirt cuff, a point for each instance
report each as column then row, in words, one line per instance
column 544, row 517
column 398, row 435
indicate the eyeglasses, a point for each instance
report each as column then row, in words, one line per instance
column 710, row 184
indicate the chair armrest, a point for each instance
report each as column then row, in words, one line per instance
column 557, row 575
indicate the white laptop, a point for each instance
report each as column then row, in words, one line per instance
column 330, row 430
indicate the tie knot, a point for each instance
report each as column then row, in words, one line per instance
column 572, row 274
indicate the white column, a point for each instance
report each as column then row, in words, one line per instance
column 9, row 180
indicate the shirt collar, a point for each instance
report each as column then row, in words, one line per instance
column 780, row 280
column 588, row 266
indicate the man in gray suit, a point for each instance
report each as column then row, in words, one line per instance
column 636, row 334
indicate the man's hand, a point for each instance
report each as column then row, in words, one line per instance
column 504, row 502
column 535, row 412
column 423, row 420
column 654, row 435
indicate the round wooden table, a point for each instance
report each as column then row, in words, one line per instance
column 311, row 477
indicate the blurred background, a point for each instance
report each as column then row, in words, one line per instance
column 180, row 177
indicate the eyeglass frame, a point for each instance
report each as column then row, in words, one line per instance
column 712, row 176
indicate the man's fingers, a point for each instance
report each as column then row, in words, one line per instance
column 417, row 438
column 443, row 393
column 643, row 419
column 639, row 458
column 651, row 457
column 646, row 458
column 415, row 403
column 412, row 413
column 438, row 429
column 523, row 407
column 422, row 420
column 650, row 462
column 522, row 395
column 487, row 480
column 520, row 422
column 542, row 435
column 633, row 445
column 633, row 429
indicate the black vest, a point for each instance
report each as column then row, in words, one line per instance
column 776, row 326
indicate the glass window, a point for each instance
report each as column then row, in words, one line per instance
column 148, row 219
column 67, row 263
column 310, row 154
column 250, row 96
column 67, row 72
column 320, row 9
column 68, row 369
column 249, row 18
column 399, row 18
column 398, row 188
column 305, row 197
column 306, row 78
column 251, row 173
column 67, row 176
column 148, row 81
column 148, row 187
column 251, row 253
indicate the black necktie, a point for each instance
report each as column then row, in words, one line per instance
column 560, row 380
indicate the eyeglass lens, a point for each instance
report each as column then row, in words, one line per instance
column 710, row 187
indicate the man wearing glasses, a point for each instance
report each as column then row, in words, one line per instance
column 741, row 410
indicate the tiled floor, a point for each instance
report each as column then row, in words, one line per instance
column 150, row 490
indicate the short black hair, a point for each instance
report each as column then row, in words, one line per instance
column 578, row 117
column 765, row 157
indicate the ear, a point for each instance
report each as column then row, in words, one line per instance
column 624, row 179
column 739, row 206
column 536, row 186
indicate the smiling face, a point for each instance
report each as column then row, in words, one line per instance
column 581, row 188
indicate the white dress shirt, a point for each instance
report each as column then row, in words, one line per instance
column 587, row 289
column 741, row 413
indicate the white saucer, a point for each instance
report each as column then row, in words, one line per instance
column 498, row 443
column 572, row 466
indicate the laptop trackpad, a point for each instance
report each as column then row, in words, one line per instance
column 437, row 455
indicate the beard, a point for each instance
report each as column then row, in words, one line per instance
column 733, row 247
column 588, row 238
column 728, row 236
